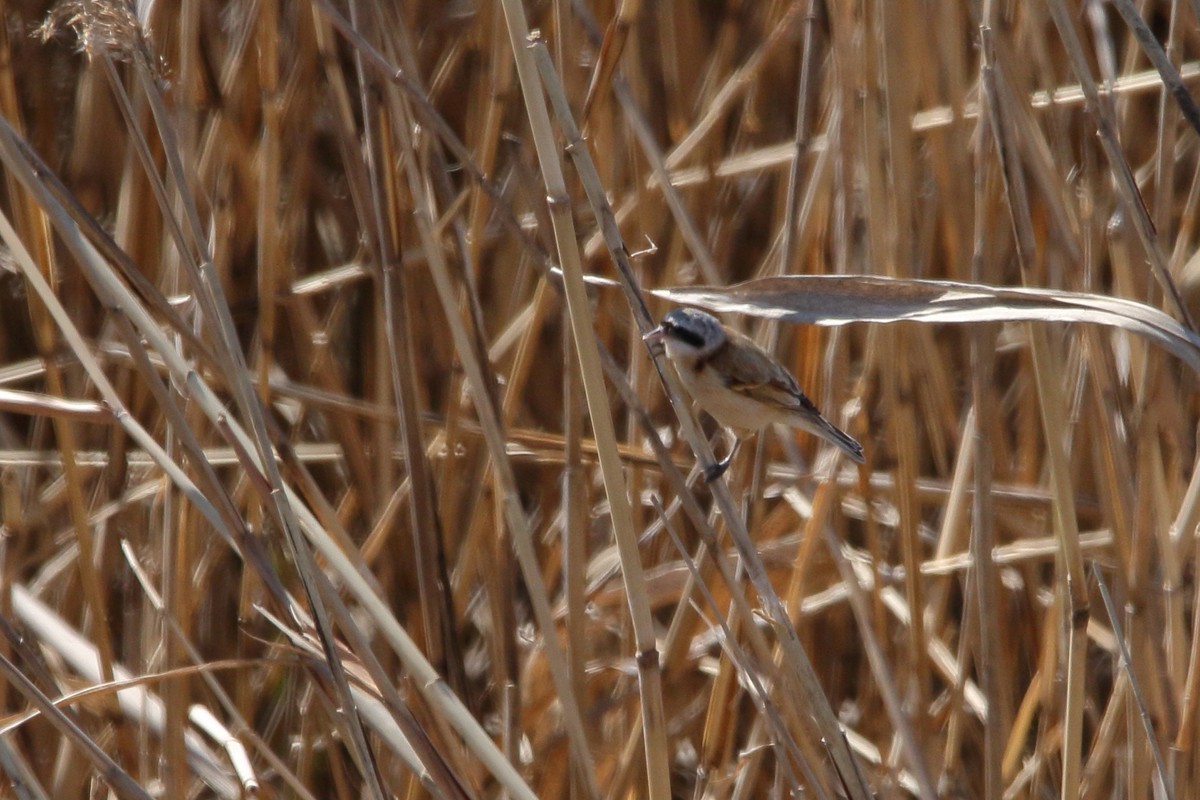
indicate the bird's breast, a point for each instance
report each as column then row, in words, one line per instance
column 728, row 407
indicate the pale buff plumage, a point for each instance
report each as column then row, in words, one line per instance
column 737, row 382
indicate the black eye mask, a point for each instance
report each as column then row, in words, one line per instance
column 686, row 336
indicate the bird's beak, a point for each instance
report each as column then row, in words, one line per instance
column 655, row 335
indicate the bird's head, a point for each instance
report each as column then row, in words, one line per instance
column 689, row 334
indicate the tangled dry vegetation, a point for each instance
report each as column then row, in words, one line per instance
column 366, row 239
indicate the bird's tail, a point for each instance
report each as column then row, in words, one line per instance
column 835, row 435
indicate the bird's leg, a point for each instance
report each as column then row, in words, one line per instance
column 718, row 469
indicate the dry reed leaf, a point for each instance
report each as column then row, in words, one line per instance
column 843, row 299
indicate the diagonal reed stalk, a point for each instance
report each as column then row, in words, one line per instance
column 583, row 331
column 799, row 668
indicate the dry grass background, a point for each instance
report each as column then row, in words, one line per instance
column 328, row 229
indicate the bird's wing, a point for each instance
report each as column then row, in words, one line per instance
column 751, row 372
column 787, row 394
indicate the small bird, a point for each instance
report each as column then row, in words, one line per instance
column 738, row 382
